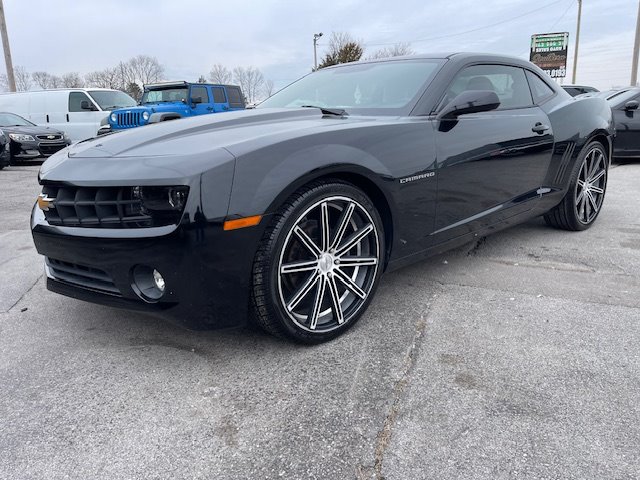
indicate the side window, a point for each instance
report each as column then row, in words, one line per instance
column 201, row 93
column 235, row 97
column 75, row 101
column 509, row 83
column 218, row 95
column 541, row 91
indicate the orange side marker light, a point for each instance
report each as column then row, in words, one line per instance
column 242, row 222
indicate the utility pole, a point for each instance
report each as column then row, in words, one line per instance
column 636, row 50
column 316, row 36
column 7, row 51
column 575, row 53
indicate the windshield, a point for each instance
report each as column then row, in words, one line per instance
column 386, row 86
column 112, row 99
column 171, row 94
column 12, row 120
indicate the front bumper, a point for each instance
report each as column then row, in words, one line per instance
column 207, row 270
column 35, row 149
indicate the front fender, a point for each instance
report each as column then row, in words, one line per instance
column 261, row 186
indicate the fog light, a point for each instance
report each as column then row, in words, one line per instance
column 148, row 283
column 157, row 278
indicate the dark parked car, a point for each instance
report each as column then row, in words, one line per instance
column 574, row 90
column 28, row 140
column 293, row 210
column 626, row 118
column 4, row 150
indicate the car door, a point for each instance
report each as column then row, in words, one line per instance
column 80, row 122
column 490, row 165
column 627, row 122
column 202, row 103
column 220, row 101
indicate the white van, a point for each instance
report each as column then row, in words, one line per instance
column 78, row 112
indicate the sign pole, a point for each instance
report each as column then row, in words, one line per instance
column 575, row 53
column 636, row 50
column 7, row 51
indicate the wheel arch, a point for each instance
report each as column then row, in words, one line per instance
column 358, row 177
column 163, row 117
column 603, row 137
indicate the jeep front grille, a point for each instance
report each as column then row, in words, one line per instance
column 129, row 119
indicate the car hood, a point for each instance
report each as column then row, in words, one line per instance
column 31, row 130
column 188, row 145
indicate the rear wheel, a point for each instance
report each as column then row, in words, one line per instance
column 319, row 263
column 583, row 201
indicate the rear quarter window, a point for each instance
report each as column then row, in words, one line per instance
column 235, row 97
column 539, row 88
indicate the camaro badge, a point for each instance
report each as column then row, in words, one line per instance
column 45, row 202
column 417, row 177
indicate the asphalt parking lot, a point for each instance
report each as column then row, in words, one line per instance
column 515, row 357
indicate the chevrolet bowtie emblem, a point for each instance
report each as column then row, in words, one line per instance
column 45, row 202
column 51, row 137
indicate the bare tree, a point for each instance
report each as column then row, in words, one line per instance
column 250, row 80
column 267, row 89
column 220, row 74
column 42, row 79
column 202, row 79
column 72, row 80
column 23, row 78
column 145, row 69
column 397, row 50
column 107, row 78
column 55, row 82
column 342, row 49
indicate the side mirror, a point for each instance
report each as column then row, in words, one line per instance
column 631, row 105
column 196, row 100
column 85, row 105
column 471, row 101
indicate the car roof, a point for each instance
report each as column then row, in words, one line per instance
column 459, row 56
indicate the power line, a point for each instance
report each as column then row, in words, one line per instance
column 428, row 39
column 571, row 4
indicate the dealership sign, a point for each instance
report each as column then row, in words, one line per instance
column 549, row 52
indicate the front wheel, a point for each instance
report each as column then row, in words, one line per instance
column 319, row 263
column 583, row 201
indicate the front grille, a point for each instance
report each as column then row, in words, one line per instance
column 51, row 137
column 82, row 276
column 96, row 207
column 51, row 148
column 129, row 119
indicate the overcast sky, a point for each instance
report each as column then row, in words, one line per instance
column 189, row 36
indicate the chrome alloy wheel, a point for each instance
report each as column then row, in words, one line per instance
column 328, row 264
column 590, row 186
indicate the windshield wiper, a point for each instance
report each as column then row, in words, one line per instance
column 339, row 112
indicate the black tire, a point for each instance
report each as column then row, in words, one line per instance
column 297, row 256
column 582, row 203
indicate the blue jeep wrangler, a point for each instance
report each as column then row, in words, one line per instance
column 172, row 100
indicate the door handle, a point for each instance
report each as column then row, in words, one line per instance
column 540, row 128
column 210, row 108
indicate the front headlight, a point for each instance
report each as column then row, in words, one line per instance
column 114, row 117
column 161, row 201
column 18, row 137
column 145, row 116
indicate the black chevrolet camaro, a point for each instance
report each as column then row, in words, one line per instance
column 289, row 214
